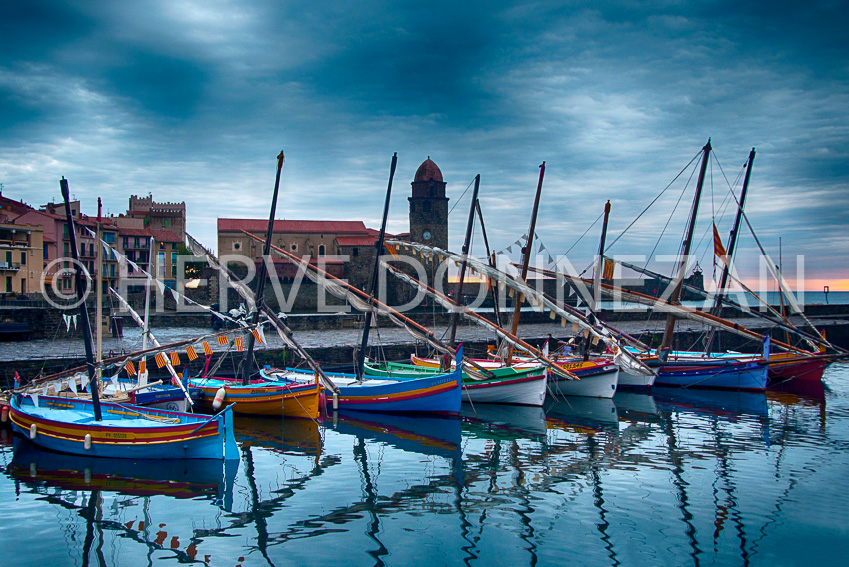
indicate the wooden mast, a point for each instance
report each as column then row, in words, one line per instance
column 732, row 241
column 525, row 261
column 491, row 259
column 458, row 297
column 247, row 360
column 99, row 290
column 688, row 239
column 81, row 295
column 361, row 355
column 599, row 265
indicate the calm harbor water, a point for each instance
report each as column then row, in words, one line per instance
column 679, row 477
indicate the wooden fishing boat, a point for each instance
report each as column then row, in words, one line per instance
column 260, row 397
column 438, row 393
column 107, row 429
column 523, row 386
column 68, row 425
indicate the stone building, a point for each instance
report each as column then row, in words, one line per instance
column 429, row 207
column 159, row 216
column 21, row 252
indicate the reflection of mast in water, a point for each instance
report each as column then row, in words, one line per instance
column 256, row 506
column 680, row 484
column 722, row 510
column 93, row 516
column 370, row 500
column 522, row 495
column 598, row 500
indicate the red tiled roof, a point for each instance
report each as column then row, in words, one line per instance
column 375, row 233
column 135, row 232
column 47, row 238
column 355, row 240
column 166, row 236
column 293, row 226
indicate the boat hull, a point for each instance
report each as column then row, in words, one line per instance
column 596, row 383
column 719, row 374
column 132, row 432
column 795, row 368
column 508, row 386
column 262, row 398
column 629, row 381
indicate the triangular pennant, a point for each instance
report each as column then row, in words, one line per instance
column 74, row 320
column 57, row 386
column 34, row 399
column 44, row 390
column 161, row 286
column 84, row 379
column 67, row 320
column 175, row 295
column 114, row 380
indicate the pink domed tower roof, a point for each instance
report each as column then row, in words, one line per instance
column 428, row 171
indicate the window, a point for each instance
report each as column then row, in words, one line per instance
column 173, row 246
column 9, row 257
column 23, row 258
column 91, row 249
column 321, row 250
column 294, row 247
column 66, row 250
column 9, row 283
column 355, row 252
column 166, row 223
column 44, row 250
column 111, row 270
column 65, row 231
column 136, row 242
column 160, row 264
column 23, row 285
column 126, row 242
column 426, row 206
column 109, row 237
column 162, row 246
column 237, row 246
column 173, row 264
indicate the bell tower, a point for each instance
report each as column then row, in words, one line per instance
column 429, row 207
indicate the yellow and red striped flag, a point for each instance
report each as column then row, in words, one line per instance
column 239, row 342
column 142, row 365
column 161, row 360
column 718, row 248
column 607, row 272
column 222, row 340
column 190, row 352
column 207, row 350
column 131, row 368
column 255, row 333
column 175, row 358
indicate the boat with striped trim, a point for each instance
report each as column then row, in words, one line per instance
column 523, row 386
column 67, row 425
column 439, row 393
column 260, row 397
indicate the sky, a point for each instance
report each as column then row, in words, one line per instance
column 192, row 101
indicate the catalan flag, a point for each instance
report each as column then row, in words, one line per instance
column 161, row 360
column 131, row 368
column 175, row 358
column 607, row 272
column 222, row 340
column 256, row 335
column 239, row 344
column 718, row 248
column 142, row 366
column 207, row 350
column 190, row 352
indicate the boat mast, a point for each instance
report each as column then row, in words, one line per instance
column 491, row 259
column 99, row 289
column 688, row 238
column 466, row 244
column 599, row 264
column 361, row 355
column 732, row 241
column 247, row 360
column 78, row 283
column 525, row 261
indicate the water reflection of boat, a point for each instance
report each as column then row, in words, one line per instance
column 179, row 478
column 633, row 406
column 727, row 403
column 419, row 434
column 503, row 420
column 813, row 389
column 293, row 436
column 581, row 413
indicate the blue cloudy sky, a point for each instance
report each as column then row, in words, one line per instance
column 193, row 100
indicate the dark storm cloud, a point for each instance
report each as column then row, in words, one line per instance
column 193, row 100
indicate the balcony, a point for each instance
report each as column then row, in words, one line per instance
column 9, row 267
